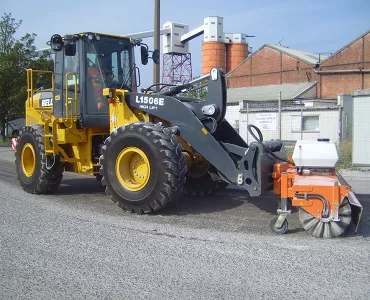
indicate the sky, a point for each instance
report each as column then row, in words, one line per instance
column 318, row 26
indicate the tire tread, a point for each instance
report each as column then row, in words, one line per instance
column 174, row 165
column 49, row 179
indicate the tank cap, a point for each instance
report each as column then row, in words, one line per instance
column 323, row 140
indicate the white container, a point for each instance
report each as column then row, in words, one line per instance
column 315, row 154
column 172, row 41
column 213, row 29
column 235, row 38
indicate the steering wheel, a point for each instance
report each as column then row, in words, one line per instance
column 109, row 74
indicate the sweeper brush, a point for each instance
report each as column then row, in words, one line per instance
column 327, row 206
column 327, row 228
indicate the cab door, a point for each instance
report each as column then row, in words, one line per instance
column 67, row 91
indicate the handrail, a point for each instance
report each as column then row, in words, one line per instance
column 74, row 110
column 30, row 90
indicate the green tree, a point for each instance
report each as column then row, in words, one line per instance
column 197, row 91
column 16, row 55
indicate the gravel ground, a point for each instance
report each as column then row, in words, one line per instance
column 77, row 244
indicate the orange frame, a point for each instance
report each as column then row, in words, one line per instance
column 287, row 182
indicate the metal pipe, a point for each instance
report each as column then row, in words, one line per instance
column 247, row 120
column 279, row 108
column 177, row 89
column 200, row 87
column 156, row 67
column 342, row 71
column 204, row 77
column 301, row 120
column 146, row 34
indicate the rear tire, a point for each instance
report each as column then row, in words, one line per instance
column 164, row 163
column 32, row 164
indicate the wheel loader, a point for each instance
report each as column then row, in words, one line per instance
column 148, row 148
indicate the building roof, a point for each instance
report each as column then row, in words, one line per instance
column 346, row 46
column 308, row 57
column 289, row 91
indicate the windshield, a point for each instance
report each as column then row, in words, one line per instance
column 109, row 62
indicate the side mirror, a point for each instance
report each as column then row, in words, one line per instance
column 144, row 55
column 56, row 42
column 69, row 45
column 155, row 56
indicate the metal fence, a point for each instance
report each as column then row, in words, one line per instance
column 304, row 119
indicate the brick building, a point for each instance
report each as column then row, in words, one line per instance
column 311, row 86
column 272, row 65
column 346, row 70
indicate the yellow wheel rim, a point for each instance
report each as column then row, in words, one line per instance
column 28, row 160
column 133, row 168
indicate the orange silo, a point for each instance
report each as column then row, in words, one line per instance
column 213, row 55
column 235, row 54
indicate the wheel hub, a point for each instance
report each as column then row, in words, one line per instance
column 28, row 159
column 133, row 168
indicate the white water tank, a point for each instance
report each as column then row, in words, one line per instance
column 319, row 153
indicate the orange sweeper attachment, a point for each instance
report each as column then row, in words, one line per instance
column 326, row 203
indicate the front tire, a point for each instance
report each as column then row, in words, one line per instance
column 200, row 186
column 207, row 185
column 37, row 173
column 143, row 167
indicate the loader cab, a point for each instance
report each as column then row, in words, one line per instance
column 85, row 64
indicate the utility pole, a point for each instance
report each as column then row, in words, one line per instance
column 279, row 109
column 157, row 17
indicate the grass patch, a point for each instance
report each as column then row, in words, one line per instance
column 7, row 143
column 345, row 156
column 289, row 148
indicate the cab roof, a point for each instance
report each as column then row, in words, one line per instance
column 105, row 34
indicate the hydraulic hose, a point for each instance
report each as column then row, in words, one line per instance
column 260, row 141
column 325, row 202
column 159, row 84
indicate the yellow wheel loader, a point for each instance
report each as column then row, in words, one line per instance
column 147, row 148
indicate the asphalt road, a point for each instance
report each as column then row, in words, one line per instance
column 77, row 244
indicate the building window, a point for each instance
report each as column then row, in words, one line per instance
column 305, row 124
column 311, row 123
